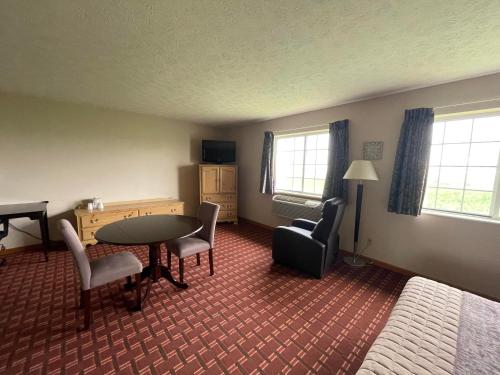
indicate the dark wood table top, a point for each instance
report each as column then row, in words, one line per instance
column 146, row 230
column 20, row 208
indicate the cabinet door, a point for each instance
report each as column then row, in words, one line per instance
column 209, row 180
column 227, row 180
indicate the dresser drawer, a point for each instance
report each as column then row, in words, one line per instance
column 231, row 206
column 219, row 198
column 102, row 218
column 174, row 209
column 226, row 215
column 89, row 234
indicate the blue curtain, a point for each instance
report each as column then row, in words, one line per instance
column 338, row 161
column 412, row 162
column 266, row 166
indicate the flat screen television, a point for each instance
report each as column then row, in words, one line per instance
column 218, row 152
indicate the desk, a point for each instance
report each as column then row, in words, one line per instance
column 151, row 231
column 34, row 211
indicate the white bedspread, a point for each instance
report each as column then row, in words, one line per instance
column 420, row 336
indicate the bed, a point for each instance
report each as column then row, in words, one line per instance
column 436, row 329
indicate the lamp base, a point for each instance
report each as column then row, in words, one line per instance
column 355, row 262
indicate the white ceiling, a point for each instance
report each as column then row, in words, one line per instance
column 228, row 61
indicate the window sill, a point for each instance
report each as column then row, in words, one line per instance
column 298, row 195
column 460, row 216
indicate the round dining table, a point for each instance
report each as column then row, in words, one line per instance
column 150, row 231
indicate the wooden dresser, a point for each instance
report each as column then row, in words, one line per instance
column 89, row 222
column 218, row 184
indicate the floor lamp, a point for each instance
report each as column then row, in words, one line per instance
column 359, row 170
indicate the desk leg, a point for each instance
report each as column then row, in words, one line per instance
column 44, row 230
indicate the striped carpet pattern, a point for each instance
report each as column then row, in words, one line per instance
column 251, row 317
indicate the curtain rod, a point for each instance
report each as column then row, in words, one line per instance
column 467, row 103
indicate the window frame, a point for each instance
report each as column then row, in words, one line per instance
column 293, row 134
column 494, row 213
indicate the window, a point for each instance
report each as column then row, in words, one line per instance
column 464, row 166
column 301, row 162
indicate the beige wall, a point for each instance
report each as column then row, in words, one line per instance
column 65, row 153
column 458, row 251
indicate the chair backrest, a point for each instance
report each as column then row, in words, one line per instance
column 77, row 250
column 338, row 206
column 208, row 215
column 331, row 217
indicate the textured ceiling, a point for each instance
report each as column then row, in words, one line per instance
column 228, row 61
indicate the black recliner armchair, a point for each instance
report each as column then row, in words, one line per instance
column 309, row 246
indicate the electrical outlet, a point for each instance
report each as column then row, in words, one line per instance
column 369, row 242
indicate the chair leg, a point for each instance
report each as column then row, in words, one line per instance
column 169, row 259
column 138, row 291
column 86, row 307
column 211, row 261
column 198, row 260
column 181, row 270
column 82, row 303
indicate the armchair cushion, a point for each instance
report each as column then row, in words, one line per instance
column 294, row 247
column 304, row 224
column 113, row 267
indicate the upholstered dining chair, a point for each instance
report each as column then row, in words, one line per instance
column 199, row 242
column 100, row 271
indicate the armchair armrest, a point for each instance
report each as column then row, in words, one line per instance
column 304, row 224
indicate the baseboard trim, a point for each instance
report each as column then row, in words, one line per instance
column 387, row 266
column 36, row 247
column 256, row 223
column 409, row 273
column 14, row 250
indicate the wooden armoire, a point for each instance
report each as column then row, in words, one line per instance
column 218, row 184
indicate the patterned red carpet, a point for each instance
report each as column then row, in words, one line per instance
column 251, row 317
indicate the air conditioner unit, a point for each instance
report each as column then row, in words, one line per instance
column 296, row 207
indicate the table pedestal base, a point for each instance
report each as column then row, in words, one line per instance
column 155, row 270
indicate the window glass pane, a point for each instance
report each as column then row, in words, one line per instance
column 480, row 178
column 432, row 178
column 308, row 185
column 311, row 142
column 318, row 186
column 486, row 129
column 477, row 202
column 285, row 144
column 449, row 200
column 455, row 154
column 310, row 157
column 437, row 132
column 458, row 131
column 321, row 171
column 298, row 157
column 452, row 177
column 430, row 198
column 286, row 170
column 297, row 184
column 322, row 157
column 323, row 141
column 435, row 155
column 299, row 143
column 484, row 154
column 309, row 171
column 284, row 183
column 297, row 170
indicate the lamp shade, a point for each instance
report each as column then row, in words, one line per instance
column 361, row 170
